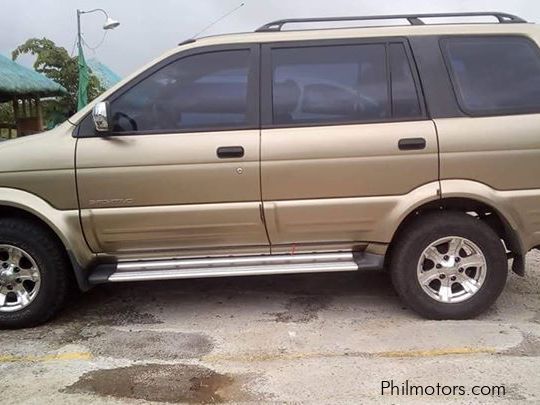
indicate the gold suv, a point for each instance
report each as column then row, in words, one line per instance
column 413, row 147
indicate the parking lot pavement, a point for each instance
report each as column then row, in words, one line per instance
column 311, row 338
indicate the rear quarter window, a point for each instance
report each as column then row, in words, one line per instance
column 494, row 75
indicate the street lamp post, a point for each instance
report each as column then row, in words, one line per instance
column 82, row 91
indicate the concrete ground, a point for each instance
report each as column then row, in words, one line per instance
column 311, row 338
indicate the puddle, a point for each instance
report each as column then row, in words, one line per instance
column 302, row 309
column 163, row 383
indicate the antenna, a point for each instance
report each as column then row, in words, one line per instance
column 218, row 20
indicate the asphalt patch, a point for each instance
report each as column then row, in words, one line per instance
column 178, row 383
column 529, row 347
column 302, row 309
column 100, row 310
column 144, row 345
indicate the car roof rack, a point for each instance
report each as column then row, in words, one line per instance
column 413, row 19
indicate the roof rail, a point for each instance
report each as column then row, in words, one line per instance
column 413, row 19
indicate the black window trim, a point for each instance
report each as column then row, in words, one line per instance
column 443, row 44
column 266, row 80
column 389, row 84
column 418, row 87
column 253, row 112
column 436, row 86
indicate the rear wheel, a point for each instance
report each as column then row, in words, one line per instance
column 449, row 265
column 33, row 274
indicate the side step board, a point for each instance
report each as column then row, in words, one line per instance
column 171, row 269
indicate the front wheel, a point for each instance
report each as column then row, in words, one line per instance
column 449, row 265
column 33, row 274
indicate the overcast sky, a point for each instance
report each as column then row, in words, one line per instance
column 149, row 27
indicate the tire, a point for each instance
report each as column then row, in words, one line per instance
column 447, row 290
column 22, row 238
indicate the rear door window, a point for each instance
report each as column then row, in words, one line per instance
column 494, row 75
column 333, row 84
column 329, row 84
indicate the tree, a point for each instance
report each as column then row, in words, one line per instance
column 6, row 113
column 6, row 116
column 56, row 63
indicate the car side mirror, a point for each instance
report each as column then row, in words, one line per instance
column 101, row 116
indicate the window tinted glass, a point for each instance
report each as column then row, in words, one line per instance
column 329, row 84
column 201, row 91
column 404, row 96
column 495, row 74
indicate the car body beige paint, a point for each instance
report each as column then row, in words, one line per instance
column 316, row 181
column 495, row 167
column 162, row 194
column 37, row 175
column 42, row 164
column 170, row 192
column 497, row 159
column 368, row 222
column 501, row 152
column 520, row 208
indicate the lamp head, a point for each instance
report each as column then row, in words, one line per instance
column 110, row 24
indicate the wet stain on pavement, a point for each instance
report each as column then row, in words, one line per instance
column 177, row 383
column 111, row 342
column 51, row 336
column 112, row 310
column 302, row 309
column 88, row 317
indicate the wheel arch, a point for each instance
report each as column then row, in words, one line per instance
column 64, row 226
column 486, row 212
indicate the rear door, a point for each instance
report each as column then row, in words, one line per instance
column 345, row 137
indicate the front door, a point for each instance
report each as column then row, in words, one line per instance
column 179, row 174
column 345, row 140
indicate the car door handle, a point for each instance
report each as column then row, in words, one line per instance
column 228, row 152
column 412, row 143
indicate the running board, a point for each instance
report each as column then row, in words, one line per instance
column 144, row 270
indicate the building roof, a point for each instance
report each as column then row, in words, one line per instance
column 17, row 80
column 105, row 75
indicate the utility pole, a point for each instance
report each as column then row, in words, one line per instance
column 84, row 74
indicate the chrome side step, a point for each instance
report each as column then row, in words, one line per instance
column 144, row 270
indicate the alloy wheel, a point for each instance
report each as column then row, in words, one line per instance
column 452, row 269
column 20, row 279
